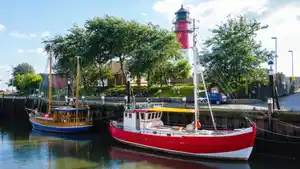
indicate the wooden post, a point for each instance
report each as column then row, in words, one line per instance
column 50, row 82
column 2, row 102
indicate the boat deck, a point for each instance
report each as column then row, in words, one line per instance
column 181, row 131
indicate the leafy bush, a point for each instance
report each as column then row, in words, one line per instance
column 154, row 91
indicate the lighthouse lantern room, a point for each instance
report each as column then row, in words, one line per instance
column 182, row 23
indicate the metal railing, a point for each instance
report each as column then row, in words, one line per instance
column 143, row 105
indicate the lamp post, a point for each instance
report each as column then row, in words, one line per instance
column 292, row 53
column 271, row 78
column 128, row 89
column 275, row 38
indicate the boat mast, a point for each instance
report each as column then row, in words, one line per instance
column 196, row 82
column 50, row 82
column 195, row 76
column 77, row 87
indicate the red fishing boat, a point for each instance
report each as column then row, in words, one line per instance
column 144, row 128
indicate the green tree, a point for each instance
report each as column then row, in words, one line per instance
column 95, row 73
column 171, row 70
column 140, row 48
column 259, row 76
column 231, row 53
column 181, row 70
column 22, row 68
column 65, row 49
column 157, row 47
column 27, row 83
column 118, row 37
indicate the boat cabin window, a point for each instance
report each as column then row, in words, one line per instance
column 125, row 114
column 142, row 116
column 153, row 114
column 137, row 115
column 149, row 116
column 156, row 115
column 130, row 115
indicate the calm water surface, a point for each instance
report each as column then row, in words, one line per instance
column 21, row 148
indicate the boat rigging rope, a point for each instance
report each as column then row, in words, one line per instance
column 279, row 121
column 250, row 119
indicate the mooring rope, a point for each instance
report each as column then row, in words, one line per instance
column 277, row 120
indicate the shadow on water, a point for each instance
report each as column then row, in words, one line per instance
column 24, row 148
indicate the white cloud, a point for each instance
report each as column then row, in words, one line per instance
column 144, row 14
column 20, row 51
column 283, row 22
column 2, row 27
column 38, row 51
column 30, row 35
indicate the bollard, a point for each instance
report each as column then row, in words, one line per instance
column 270, row 106
column 270, row 112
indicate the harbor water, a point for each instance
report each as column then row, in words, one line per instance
column 23, row 148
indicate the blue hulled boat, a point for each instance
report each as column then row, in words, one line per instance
column 73, row 118
column 63, row 120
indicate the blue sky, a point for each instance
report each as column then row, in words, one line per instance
column 28, row 22
column 24, row 23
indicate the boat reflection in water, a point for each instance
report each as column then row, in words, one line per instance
column 41, row 136
column 160, row 161
column 63, row 151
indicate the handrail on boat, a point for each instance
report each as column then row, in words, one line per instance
column 143, row 105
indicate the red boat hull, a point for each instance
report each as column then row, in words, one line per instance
column 236, row 147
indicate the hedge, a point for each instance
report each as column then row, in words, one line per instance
column 155, row 91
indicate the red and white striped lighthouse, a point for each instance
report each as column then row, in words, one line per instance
column 182, row 24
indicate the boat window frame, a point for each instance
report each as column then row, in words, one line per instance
column 130, row 115
column 156, row 115
column 149, row 116
column 153, row 115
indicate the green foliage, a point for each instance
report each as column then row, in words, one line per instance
column 141, row 48
column 279, row 78
column 173, row 70
column 93, row 74
column 232, row 53
column 258, row 76
column 26, row 83
column 22, row 68
column 157, row 91
column 292, row 78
